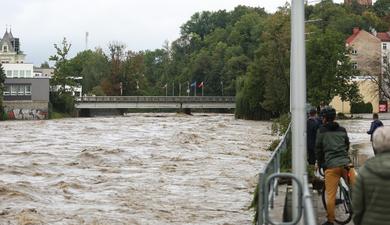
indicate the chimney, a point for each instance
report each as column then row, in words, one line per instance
column 356, row 30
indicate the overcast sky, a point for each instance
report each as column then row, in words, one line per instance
column 140, row 24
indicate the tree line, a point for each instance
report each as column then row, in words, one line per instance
column 244, row 52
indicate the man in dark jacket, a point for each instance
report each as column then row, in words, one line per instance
column 332, row 145
column 312, row 125
column 371, row 193
column 374, row 125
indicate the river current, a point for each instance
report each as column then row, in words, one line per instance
column 137, row 169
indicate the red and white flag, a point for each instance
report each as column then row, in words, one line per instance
column 201, row 85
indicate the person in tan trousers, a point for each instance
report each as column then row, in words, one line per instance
column 332, row 145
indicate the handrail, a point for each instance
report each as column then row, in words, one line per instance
column 273, row 166
column 300, row 191
column 136, row 99
column 268, row 188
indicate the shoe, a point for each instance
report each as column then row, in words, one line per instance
column 328, row 223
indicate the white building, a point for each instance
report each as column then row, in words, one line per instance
column 25, row 97
column 17, row 70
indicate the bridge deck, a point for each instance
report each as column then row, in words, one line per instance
column 147, row 102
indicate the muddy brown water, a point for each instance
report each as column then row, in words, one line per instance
column 360, row 140
column 138, row 169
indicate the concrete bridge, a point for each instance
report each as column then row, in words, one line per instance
column 156, row 102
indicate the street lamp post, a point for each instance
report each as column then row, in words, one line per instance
column 188, row 88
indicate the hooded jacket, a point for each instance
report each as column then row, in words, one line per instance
column 332, row 145
column 371, row 193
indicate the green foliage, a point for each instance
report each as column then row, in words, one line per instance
column 280, row 124
column 244, row 52
column 382, row 7
column 62, row 102
column 361, row 107
column 329, row 70
column 62, row 70
column 45, row 65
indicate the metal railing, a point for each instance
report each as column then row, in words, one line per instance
column 268, row 188
column 154, row 99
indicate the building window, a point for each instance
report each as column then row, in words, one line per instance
column 384, row 46
column 7, row 90
column 21, row 73
column 28, row 73
column 354, row 65
column 5, row 48
column 20, row 89
column 16, row 73
column 28, row 89
column 9, row 73
column 17, row 89
column 354, row 52
column 13, row 90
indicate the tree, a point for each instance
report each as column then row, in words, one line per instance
column 329, row 70
column 62, row 75
column 92, row 66
column 45, row 65
column 382, row 7
column 383, row 82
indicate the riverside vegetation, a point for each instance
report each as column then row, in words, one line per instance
column 244, row 52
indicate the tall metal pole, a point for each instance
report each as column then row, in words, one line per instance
column 179, row 89
column 298, row 94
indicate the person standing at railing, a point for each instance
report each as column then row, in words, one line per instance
column 332, row 145
column 371, row 193
column 312, row 126
column 374, row 125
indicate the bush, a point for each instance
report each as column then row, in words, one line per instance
column 361, row 107
column 63, row 103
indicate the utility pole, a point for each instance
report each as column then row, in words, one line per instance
column 298, row 95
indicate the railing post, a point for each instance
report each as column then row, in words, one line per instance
column 260, row 204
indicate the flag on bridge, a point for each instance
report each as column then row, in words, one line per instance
column 201, row 85
column 193, row 84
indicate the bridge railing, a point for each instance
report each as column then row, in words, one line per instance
column 268, row 188
column 177, row 99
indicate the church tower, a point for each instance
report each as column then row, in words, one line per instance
column 10, row 49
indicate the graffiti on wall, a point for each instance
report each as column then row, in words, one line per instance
column 26, row 114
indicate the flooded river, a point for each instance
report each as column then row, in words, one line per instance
column 138, row 169
column 359, row 139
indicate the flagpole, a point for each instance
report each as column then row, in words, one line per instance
column 179, row 89
column 195, row 89
column 202, row 89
